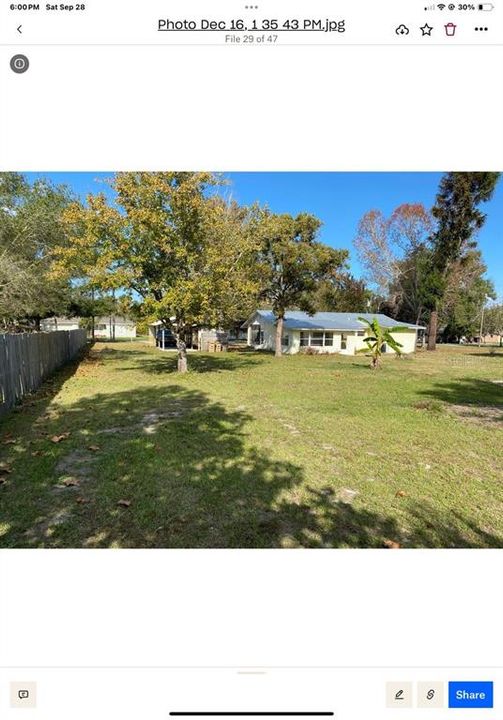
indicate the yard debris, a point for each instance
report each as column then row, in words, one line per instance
column 94, row 448
column 401, row 493
column 5, row 469
column 59, row 438
column 9, row 441
column 391, row 545
column 82, row 500
column 124, row 503
column 346, row 495
column 71, row 482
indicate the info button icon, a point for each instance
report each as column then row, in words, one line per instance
column 19, row 64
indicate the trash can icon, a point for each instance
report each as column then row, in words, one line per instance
column 450, row 29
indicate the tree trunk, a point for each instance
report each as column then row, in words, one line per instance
column 279, row 337
column 182, row 355
column 432, row 330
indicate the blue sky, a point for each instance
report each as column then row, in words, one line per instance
column 339, row 200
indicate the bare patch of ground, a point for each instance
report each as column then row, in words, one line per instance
column 478, row 414
column 73, row 469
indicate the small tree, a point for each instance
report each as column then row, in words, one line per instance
column 377, row 338
column 293, row 262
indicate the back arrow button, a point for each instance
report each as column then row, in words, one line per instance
column 19, row 30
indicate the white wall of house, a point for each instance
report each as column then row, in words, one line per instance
column 336, row 341
column 407, row 339
column 122, row 330
column 54, row 324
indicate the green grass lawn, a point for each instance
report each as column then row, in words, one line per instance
column 249, row 451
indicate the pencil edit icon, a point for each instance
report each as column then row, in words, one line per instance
column 450, row 29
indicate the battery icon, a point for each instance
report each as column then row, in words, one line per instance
column 486, row 6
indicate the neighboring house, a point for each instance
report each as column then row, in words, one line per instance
column 114, row 326
column 203, row 339
column 492, row 339
column 59, row 323
column 328, row 332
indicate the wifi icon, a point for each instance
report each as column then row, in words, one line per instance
column 441, row 6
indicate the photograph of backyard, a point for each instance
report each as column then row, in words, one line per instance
column 251, row 360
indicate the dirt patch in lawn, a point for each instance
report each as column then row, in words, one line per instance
column 73, row 469
column 150, row 422
column 488, row 415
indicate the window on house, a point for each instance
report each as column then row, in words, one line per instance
column 344, row 341
column 285, row 340
column 304, row 339
column 317, row 339
column 101, row 326
column 329, row 339
column 360, row 333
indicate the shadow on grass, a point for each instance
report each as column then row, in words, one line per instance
column 496, row 353
column 169, row 467
column 467, row 391
column 166, row 362
column 36, row 402
column 328, row 523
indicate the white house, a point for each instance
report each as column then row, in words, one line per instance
column 59, row 323
column 114, row 326
column 329, row 332
column 109, row 326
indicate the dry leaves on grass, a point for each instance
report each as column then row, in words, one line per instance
column 391, row 545
column 401, row 493
column 71, row 482
column 124, row 503
column 5, row 469
column 94, row 448
column 82, row 500
column 59, row 438
column 9, row 441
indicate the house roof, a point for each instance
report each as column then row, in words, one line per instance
column 297, row 320
column 61, row 320
column 118, row 319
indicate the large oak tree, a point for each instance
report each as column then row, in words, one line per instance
column 167, row 237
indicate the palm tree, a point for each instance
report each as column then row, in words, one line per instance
column 377, row 338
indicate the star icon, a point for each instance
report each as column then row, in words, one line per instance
column 426, row 30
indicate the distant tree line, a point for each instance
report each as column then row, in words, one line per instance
column 424, row 265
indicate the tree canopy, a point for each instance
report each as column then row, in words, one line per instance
column 30, row 230
column 292, row 263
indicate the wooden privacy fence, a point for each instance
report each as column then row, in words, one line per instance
column 27, row 359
